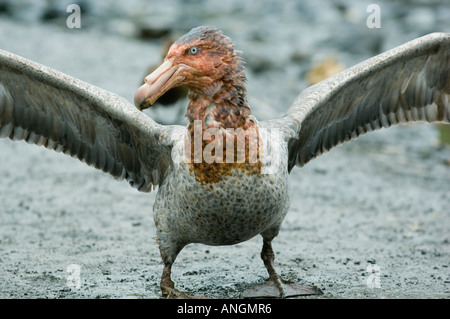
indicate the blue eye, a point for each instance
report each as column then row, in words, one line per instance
column 194, row 50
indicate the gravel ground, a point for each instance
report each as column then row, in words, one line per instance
column 375, row 208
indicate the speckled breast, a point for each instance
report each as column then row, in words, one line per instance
column 235, row 208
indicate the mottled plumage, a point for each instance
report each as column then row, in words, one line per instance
column 218, row 201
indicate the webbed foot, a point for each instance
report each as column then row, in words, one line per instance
column 279, row 288
column 276, row 287
column 172, row 293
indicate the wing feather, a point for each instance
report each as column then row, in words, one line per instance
column 406, row 84
column 45, row 107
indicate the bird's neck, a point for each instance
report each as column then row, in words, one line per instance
column 222, row 129
column 223, row 105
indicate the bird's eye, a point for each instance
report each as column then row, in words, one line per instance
column 193, row 50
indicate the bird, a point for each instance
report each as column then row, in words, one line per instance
column 223, row 178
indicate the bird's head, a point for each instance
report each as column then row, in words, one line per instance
column 203, row 60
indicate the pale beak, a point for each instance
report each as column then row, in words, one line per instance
column 165, row 77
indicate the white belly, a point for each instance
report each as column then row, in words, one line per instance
column 234, row 209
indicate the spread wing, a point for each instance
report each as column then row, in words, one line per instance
column 46, row 107
column 406, row 84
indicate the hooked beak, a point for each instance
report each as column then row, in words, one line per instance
column 165, row 77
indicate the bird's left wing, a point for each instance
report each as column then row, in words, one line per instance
column 45, row 107
column 406, row 84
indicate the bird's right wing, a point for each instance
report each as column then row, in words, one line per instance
column 408, row 83
column 45, row 107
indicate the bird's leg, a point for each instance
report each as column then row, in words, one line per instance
column 167, row 286
column 168, row 255
column 268, row 257
column 277, row 287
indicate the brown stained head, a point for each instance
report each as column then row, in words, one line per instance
column 203, row 60
column 211, row 58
